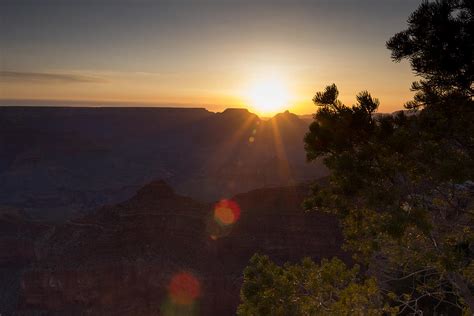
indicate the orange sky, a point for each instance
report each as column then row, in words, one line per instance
column 206, row 56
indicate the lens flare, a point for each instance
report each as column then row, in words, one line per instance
column 226, row 212
column 220, row 221
column 184, row 288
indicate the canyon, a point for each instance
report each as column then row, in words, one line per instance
column 57, row 163
column 121, row 259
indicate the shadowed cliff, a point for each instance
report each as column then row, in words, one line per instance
column 57, row 162
column 123, row 258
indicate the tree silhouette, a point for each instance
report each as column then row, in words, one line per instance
column 330, row 288
column 439, row 43
column 402, row 187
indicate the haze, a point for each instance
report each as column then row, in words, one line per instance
column 209, row 54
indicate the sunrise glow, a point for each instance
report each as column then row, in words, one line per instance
column 268, row 96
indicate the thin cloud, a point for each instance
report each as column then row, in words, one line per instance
column 42, row 77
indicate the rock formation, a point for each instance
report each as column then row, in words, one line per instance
column 160, row 253
column 57, row 163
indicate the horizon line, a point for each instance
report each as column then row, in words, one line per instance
column 65, row 103
column 139, row 105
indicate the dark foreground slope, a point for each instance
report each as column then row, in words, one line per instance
column 20, row 237
column 55, row 162
column 121, row 260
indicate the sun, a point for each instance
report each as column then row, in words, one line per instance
column 268, row 96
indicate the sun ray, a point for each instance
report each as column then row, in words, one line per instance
column 227, row 149
column 283, row 165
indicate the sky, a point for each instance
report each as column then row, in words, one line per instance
column 214, row 54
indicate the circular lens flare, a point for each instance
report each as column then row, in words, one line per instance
column 226, row 212
column 184, row 288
